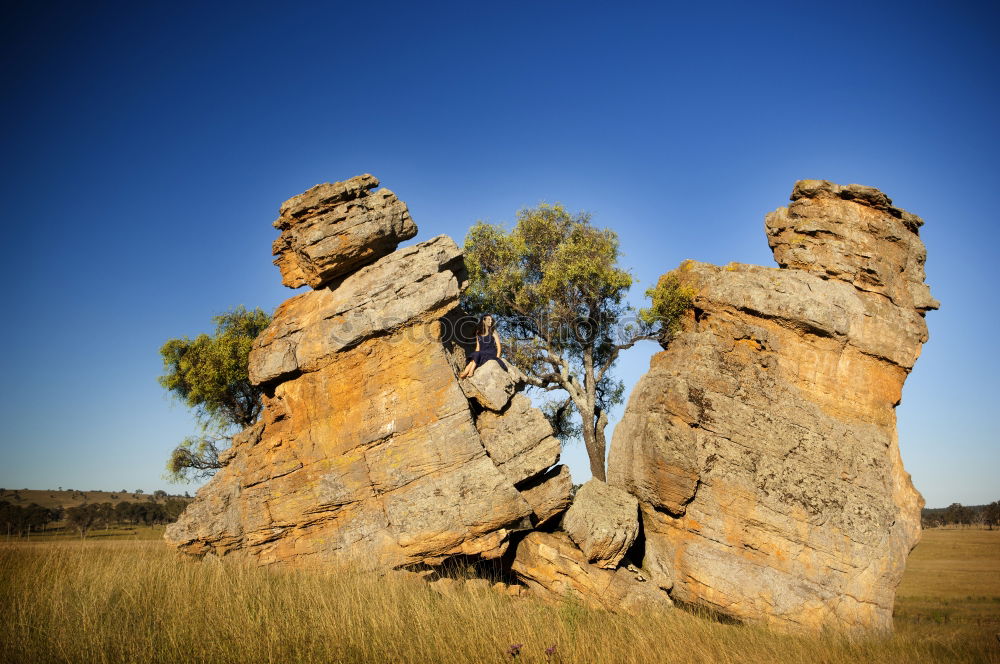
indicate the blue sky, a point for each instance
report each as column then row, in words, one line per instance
column 147, row 149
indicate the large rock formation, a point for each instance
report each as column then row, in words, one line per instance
column 762, row 443
column 756, row 470
column 518, row 439
column 368, row 448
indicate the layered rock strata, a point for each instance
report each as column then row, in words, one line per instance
column 368, row 449
column 518, row 439
column 603, row 521
column 548, row 494
column 762, row 445
column 553, row 568
column 334, row 228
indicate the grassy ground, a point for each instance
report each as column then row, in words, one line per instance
column 953, row 577
column 61, row 532
column 134, row 600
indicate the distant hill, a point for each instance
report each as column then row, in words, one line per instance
column 930, row 511
column 71, row 497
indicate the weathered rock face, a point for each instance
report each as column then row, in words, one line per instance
column 762, row 444
column 368, row 449
column 548, row 494
column 871, row 245
column 554, row 568
column 519, row 439
column 412, row 285
column 334, row 228
column 491, row 386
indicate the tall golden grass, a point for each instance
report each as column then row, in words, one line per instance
column 138, row 601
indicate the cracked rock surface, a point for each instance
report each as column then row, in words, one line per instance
column 762, row 444
column 553, row 568
column 368, row 451
column 603, row 521
column 335, row 228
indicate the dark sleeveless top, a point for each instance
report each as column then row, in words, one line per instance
column 487, row 344
column 487, row 351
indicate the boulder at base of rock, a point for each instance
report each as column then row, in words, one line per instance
column 603, row 521
column 553, row 568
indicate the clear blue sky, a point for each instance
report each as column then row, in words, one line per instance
column 146, row 150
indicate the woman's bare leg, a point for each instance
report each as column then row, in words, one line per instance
column 467, row 371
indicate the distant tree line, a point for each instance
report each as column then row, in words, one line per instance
column 957, row 514
column 18, row 520
column 105, row 515
column 75, row 494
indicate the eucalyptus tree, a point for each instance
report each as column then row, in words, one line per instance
column 555, row 288
column 210, row 375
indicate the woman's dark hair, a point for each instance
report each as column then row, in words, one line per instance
column 481, row 328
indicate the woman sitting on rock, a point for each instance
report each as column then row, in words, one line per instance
column 487, row 347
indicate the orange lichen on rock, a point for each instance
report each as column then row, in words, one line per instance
column 368, row 450
column 777, row 399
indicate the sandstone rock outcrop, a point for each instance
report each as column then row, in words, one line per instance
column 368, row 449
column 413, row 285
column 756, row 469
column 761, row 444
column 603, row 521
column 548, row 494
column 491, row 386
column 554, row 568
column 334, row 228
column 519, row 440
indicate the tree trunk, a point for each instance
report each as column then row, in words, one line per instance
column 600, row 442
column 595, row 449
column 593, row 440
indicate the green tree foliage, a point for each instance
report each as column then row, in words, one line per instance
column 83, row 517
column 210, row 375
column 670, row 298
column 558, row 295
column 135, row 513
column 18, row 520
column 87, row 517
column 959, row 514
column 991, row 514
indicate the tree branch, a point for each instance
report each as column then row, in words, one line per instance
column 615, row 350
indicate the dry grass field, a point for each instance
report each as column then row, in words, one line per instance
column 60, row 531
column 953, row 577
column 131, row 599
